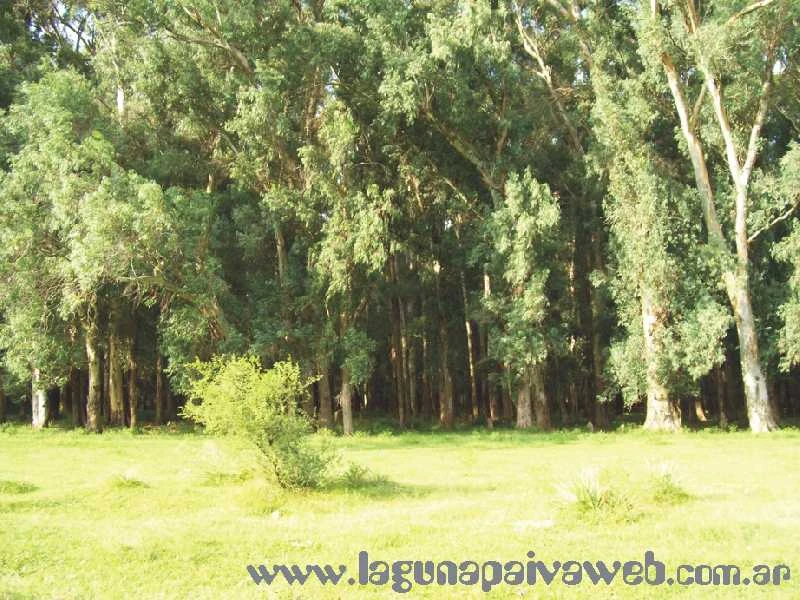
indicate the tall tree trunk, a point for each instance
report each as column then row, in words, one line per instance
column 411, row 362
column 159, row 399
column 346, row 402
column 572, row 395
column 2, row 399
column 719, row 381
column 106, row 393
column 508, row 405
column 115, row 392
column 489, row 387
column 397, row 376
column 468, row 330
column 133, row 385
column 64, row 400
column 733, row 380
column 282, row 251
column 598, row 384
column 446, row 399
column 23, row 405
column 427, row 388
column 397, row 350
column 325, row 400
column 760, row 413
column 663, row 413
column 445, row 379
column 492, row 397
column 94, row 418
column 524, row 407
column 405, row 397
column 76, row 393
column 307, row 400
column 38, row 401
column 171, row 408
column 283, row 255
column 699, row 412
column 541, row 409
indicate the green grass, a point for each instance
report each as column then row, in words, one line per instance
column 176, row 514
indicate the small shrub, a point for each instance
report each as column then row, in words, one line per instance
column 234, row 396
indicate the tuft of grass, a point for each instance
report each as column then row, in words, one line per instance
column 358, row 479
column 593, row 500
column 256, row 497
column 16, row 487
column 358, row 476
column 666, row 489
column 217, row 478
column 121, row 482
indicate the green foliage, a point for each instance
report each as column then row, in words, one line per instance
column 359, row 355
column 234, row 396
column 789, row 251
column 524, row 229
column 307, row 178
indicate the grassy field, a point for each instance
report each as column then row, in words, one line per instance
column 180, row 515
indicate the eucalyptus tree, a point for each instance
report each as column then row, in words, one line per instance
column 557, row 43
column 57, row 153
column 787, row 183
column 725, row 66
column 672, row 325
column 523, row 228
column 93, row 233
column 352, row 250
column 460, row 81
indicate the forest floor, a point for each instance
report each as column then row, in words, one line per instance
column 180, row 515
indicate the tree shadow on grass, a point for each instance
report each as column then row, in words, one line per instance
column 461, row 438
column 362, row 482
column 359, row 481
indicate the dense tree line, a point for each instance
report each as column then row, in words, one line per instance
column 541, row 212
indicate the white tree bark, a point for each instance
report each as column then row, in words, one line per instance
column 38, row 401
column 346, row 401
column 735, row 278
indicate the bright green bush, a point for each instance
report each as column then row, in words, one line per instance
column 235, row 396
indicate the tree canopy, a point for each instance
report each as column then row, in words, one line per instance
column 545, row 213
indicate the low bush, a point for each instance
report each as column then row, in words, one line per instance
column 235, row 396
